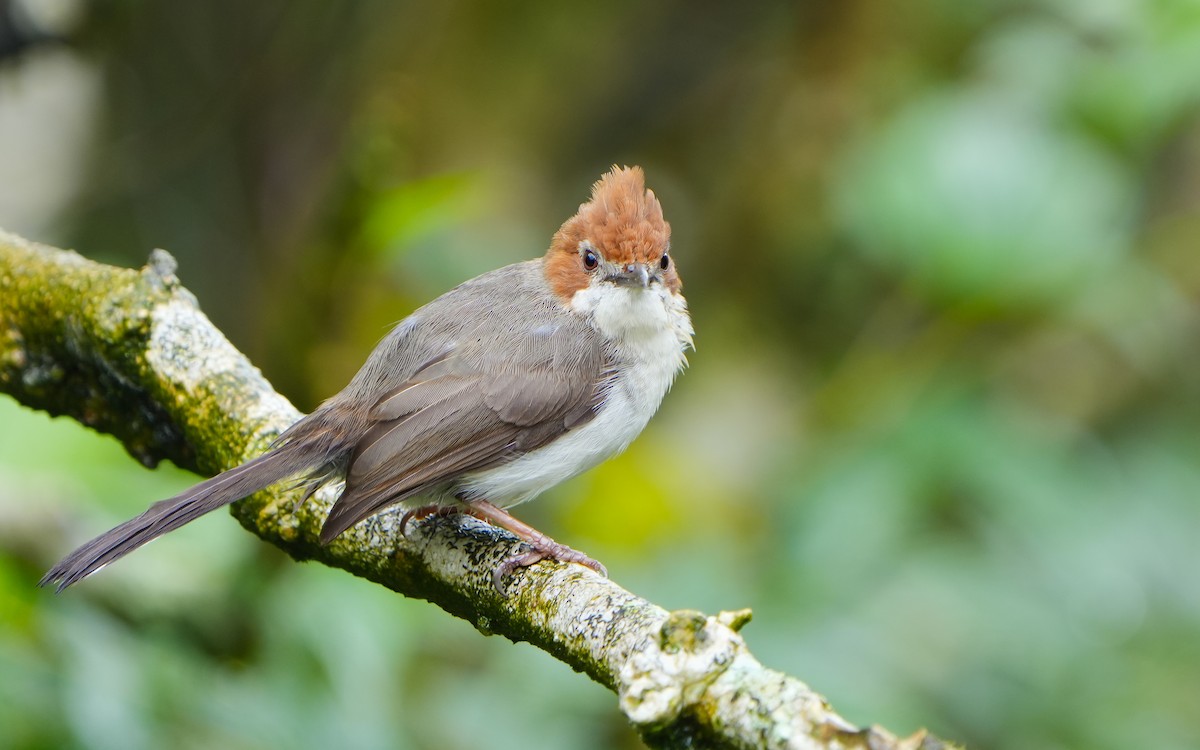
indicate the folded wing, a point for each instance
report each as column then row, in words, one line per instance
column 469, row 409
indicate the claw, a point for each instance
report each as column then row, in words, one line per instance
column 543, row 548
column 523, row 560
column 425, row 511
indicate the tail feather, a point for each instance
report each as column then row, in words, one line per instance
column 167, row 515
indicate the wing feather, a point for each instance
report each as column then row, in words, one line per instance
column 468, row 408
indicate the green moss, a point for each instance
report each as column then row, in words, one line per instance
column 80, row 347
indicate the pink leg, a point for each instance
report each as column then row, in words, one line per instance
column 543, row 546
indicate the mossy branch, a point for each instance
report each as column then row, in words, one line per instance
column 129, row 353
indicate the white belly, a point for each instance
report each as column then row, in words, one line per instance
column 649, row 332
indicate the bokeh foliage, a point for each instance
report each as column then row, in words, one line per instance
column 939, row 432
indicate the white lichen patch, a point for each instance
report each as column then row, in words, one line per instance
column 591, row 613
column 700, row 667
column 776, row 710
column 187, row 350
column 672, row 674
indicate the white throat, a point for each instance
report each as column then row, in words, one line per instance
column 640, row 324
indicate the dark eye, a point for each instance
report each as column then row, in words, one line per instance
column 590, row 261
column 664, row 262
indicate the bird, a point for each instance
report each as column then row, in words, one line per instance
column 506, row 385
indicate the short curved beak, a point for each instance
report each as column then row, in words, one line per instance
column 632, row 274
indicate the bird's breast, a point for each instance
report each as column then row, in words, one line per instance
column 646, row 359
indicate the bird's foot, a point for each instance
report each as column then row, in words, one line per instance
column 547, row 548
column 544, row 548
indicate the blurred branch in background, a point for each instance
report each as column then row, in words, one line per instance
column 128, row 352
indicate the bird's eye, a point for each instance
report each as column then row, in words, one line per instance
column 590, row 260
column 664, row 262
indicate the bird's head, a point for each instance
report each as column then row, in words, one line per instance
column 616, row 239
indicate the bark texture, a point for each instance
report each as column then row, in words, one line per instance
column 128, row 352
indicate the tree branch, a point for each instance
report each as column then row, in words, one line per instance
column 129, row 353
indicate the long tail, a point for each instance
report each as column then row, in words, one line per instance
column 286, row 460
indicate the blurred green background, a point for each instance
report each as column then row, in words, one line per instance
column 940, row 430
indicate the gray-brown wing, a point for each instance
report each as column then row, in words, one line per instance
column 464, row 412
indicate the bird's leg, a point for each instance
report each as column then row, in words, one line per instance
column 543, row 546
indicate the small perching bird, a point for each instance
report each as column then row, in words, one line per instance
column 497, row 390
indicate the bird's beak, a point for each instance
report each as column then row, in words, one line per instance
column 632, row 274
